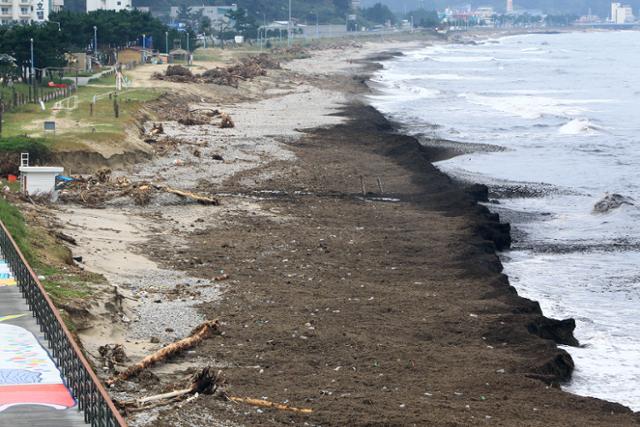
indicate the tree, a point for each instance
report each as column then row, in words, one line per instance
column 184, row 13
column 424, row 18
column 379, row 14
column 244, row 24
column 8, row 68
column 205, row 25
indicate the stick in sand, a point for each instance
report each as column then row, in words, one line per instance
column 266, row 404
column 197, row 336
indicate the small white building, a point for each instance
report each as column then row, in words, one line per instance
column 116, row 5
column 38, row 180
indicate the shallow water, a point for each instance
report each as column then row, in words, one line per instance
column 565, row 108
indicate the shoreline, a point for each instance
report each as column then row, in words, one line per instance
column 591, row 379
column 435, row 150
column 389, row 308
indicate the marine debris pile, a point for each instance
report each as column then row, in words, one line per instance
column 246, row 69
column 99, row 188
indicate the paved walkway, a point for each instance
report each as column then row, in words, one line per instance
column 31, row 389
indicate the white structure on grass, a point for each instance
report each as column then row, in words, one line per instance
column 117, row 5
column 39, row 180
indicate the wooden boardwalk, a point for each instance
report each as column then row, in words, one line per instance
column 32, row 392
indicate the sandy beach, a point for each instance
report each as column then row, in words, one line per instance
column 354, row 278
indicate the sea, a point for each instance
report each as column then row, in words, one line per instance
column 552, row 123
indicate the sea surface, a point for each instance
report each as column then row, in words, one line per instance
column 565, row 108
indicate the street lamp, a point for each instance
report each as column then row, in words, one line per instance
column 289, row 26
column 33, row 68
column 144, row 48
column 95, row 40
column 166, row 35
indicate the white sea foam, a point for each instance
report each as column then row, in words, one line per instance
column 580, row 126
column 461, row 59
column 528, row 107
column 450, row 76
column 544, row 105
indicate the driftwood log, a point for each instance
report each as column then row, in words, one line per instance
column 198, row 335
column 271, row 405
column 204, row 382
column 202, row 199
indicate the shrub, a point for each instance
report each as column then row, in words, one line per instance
column 11, row 147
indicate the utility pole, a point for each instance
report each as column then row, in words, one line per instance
column 33, row 67
column 289, row 27
column 166, row 36
column 95, row 44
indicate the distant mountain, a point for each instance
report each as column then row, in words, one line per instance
column 336, row 7
column 578, row 7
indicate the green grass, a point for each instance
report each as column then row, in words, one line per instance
column 21, row 88
column 14, row 221
column 82, row 127
column 105, row 80
column 62, row 290
column 49, row 258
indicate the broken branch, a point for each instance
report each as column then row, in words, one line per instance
column 272, row 405
column 197, row 336
column 204, row 200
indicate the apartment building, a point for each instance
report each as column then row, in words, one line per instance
column 27, row 11
column 116, row 5
column 214, row 13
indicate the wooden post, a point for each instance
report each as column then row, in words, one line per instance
column 1, row 111
column 380, row 185
column 364, row 190
column 91, row 109
column 116, row 108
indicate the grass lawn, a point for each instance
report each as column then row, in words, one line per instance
column 23, row 88
column 76, row 126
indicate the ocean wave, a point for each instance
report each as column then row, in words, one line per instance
column 462, row 59
column 448, row 76
column 533, row 106
column 580, row 126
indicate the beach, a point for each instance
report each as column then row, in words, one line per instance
column 357, row 279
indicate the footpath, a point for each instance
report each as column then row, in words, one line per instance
column 32, row 392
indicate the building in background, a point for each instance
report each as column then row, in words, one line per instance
column 27, row 11
column 56, row 5
column 355, row 4
column 621, row 14
column 214, row 13
column 509, row 6
column 117, row 5
column 484, row 15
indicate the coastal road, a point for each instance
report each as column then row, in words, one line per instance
column 32, row 392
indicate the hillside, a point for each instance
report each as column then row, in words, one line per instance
column 578, row 7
